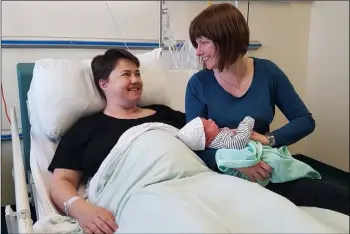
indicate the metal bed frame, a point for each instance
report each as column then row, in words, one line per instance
column 21, row 220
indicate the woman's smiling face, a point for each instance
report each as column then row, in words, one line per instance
column 207, row 51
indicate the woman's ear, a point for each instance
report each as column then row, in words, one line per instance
column 103, row 84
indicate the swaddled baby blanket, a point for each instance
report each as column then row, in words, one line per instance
column 285, row 167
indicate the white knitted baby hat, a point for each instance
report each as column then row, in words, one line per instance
column 193, row 135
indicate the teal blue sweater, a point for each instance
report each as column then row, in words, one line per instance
column 270, row 88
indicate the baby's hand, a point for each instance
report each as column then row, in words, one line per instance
column 259, row 138
column 234, row 131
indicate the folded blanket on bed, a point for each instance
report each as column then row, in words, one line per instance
column 285, row 167
column 153, row 183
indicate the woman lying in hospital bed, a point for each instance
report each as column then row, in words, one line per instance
column 84, row 147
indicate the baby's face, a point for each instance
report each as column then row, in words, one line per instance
column 210, row 129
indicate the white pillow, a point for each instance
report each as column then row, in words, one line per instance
column 154, row 78
column 63, row 90
column 149, row 59
column 155, row 88
column 177, row 82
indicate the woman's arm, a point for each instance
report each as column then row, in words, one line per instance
column 67, row 169
column 64, row 185
column 91, row 218
column 301, row 122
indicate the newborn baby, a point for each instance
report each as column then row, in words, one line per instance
column 201, row 133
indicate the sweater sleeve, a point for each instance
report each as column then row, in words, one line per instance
column 301, row 123
column 195, row 105
column 70, row 151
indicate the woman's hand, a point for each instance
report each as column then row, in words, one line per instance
column 93, row 219
column 259, row 138
column 260, row 171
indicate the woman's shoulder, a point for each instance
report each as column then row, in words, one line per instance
column 168, row 115
column 165, row 110
column 264, row 65
column 91, row 117
column 199, row 80
column 88, row 121
column 268, row 71
column 82, row 128
column 201, row 76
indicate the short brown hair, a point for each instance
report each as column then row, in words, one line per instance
column 225, row 25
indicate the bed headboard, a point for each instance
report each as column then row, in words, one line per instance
column 24, row 77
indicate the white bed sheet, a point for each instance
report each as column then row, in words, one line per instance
column 41, row 154
column 42, row 151
column 337, row 221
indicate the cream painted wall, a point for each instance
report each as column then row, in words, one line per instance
column 327, row 83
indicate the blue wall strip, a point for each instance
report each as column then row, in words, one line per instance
column 8, row 137
column 87, row 44
column 75, row 43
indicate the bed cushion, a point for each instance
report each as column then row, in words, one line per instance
column 63, row 90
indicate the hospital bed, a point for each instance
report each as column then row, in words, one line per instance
column 30, row 165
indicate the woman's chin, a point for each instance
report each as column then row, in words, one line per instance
column 209, row 66
column 135, row 97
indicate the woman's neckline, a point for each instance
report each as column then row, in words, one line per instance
column 249, row 88
column 132, row 119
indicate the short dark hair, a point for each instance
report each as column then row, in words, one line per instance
column 225, row 25
column 103, row 65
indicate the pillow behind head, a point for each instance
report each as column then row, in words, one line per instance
column 61, row 92
column 155, row 89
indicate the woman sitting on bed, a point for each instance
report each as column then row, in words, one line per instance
column 234, row 86
column 84, row 147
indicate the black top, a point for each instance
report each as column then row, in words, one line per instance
column 89, row 141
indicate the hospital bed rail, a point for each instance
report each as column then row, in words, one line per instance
column 19, row 221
